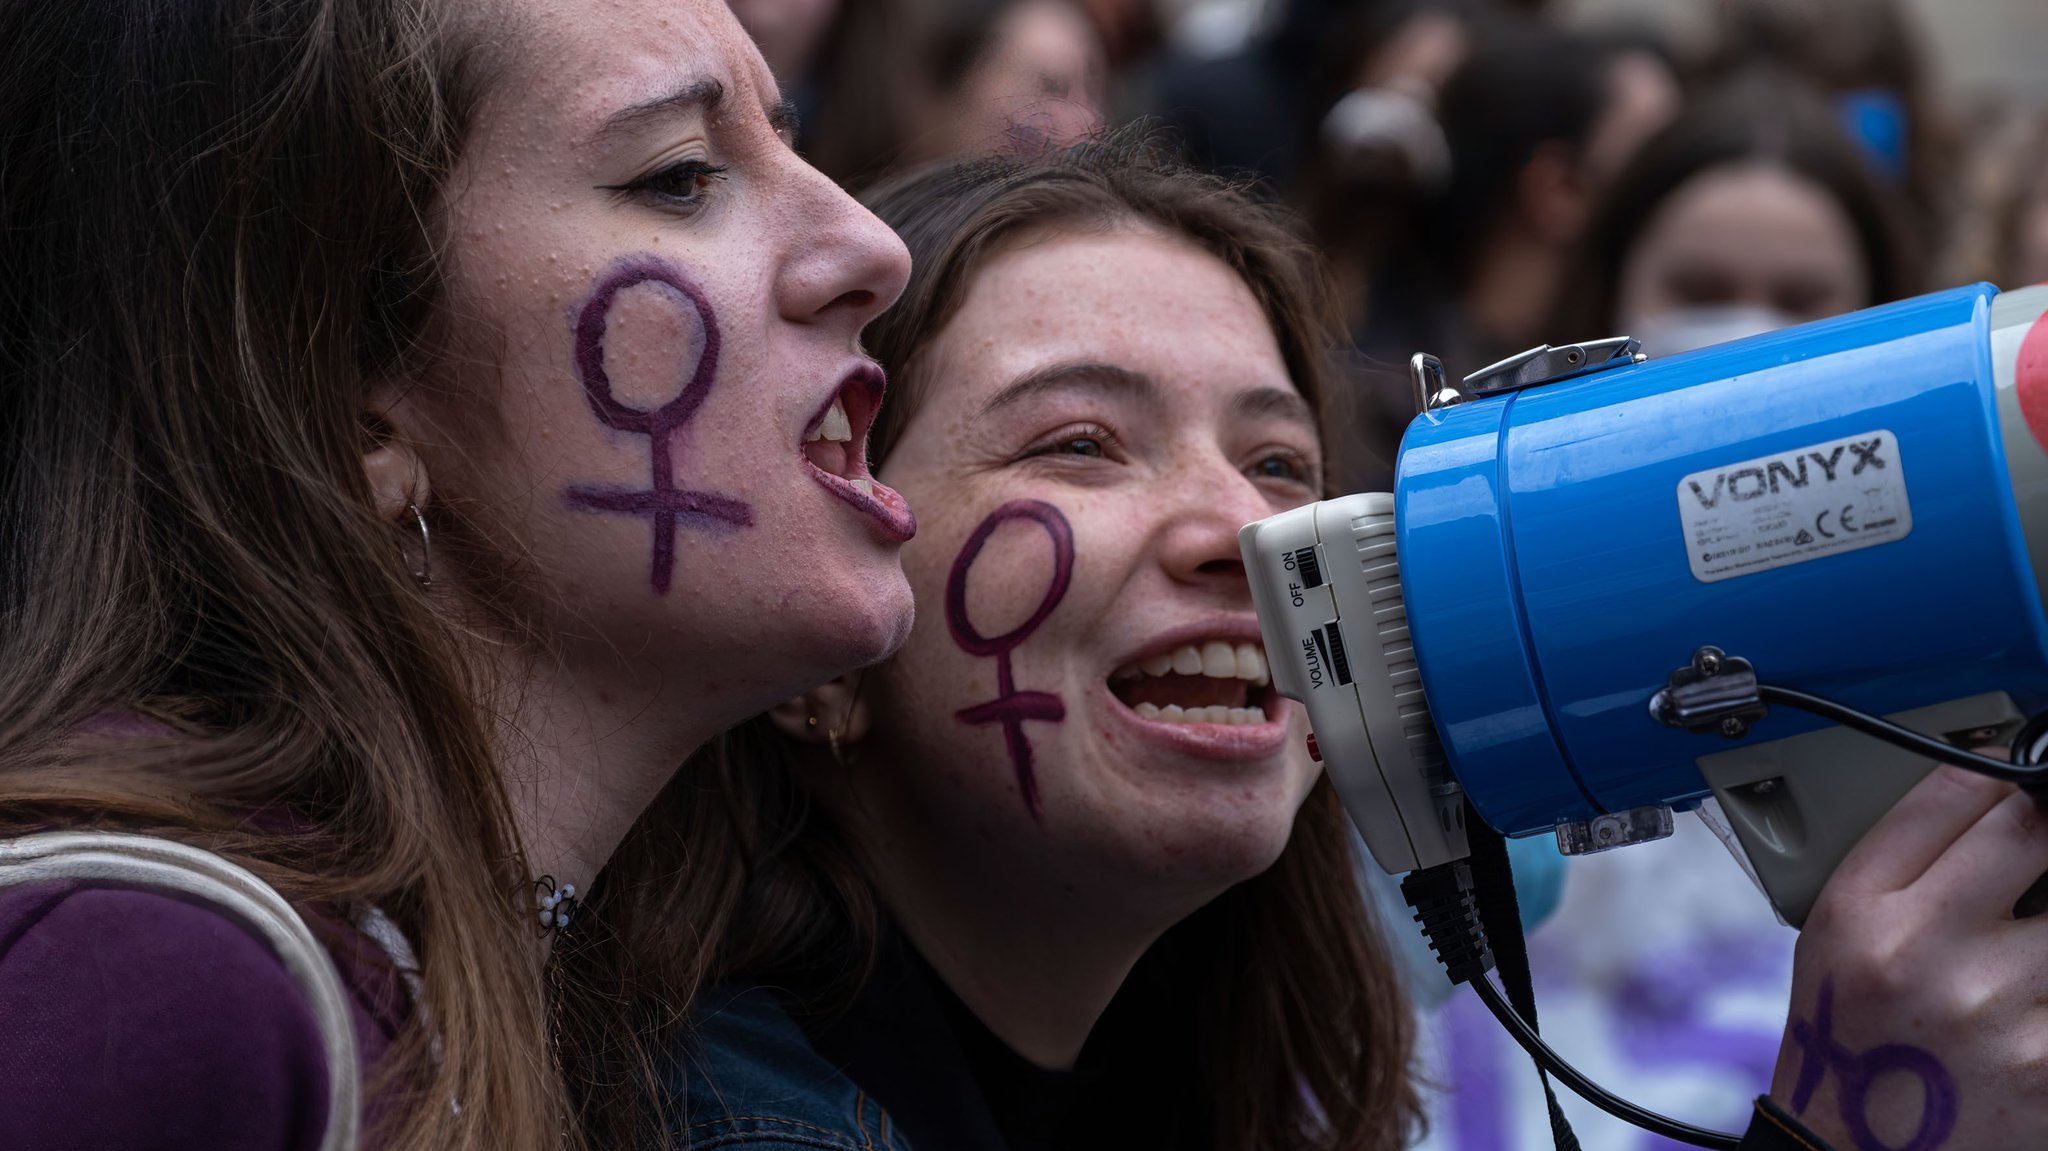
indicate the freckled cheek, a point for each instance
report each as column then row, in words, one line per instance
column 653, row 342
column 1008, row 580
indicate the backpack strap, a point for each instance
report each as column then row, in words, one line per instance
column 151, row 861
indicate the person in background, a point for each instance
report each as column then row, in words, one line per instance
column 389, row 392
column 2002, row 233
column 1448, row 216
column 1871, row 60
column 904, row 82
column 1379, row 151
column 1752, row 211
column 1538, row 121
column 1247, row 94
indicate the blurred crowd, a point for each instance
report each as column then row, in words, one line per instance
column 1483, row 176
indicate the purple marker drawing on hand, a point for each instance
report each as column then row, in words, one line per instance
column 1011, row 707
column 667, row 505
column 1820, row 1053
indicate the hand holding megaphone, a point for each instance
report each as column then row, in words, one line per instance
column 1919, row 1002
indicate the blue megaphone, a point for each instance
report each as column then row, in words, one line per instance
column 1608, row 588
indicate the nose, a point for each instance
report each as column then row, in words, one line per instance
column 1198, row 545
column 844, row 266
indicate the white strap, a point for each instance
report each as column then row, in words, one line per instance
column 149, row 861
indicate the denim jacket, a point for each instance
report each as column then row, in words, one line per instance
column 751, row 1077
column 747, row 1077
column 821, row 1081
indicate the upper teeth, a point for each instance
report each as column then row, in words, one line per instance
column 835, row 426
column 1215, row 659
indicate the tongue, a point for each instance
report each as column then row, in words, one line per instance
column 1184, row 690
column 828, row 456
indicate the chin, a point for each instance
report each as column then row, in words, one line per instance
column 1209, row 838
column 872, row 621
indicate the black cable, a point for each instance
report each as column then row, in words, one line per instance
column 2031, row 776
column 1590, row 1091
column 1442, row 897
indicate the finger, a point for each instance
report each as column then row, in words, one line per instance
column 1919, row 828
column 1986, row 870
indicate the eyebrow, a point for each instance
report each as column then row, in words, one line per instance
column 704, row 96
column 1083, row 375
column 707, row 98
column 1274, row 403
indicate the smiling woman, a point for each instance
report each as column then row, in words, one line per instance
column 1059, row 875
column 422, row 424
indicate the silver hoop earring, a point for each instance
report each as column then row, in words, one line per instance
column 424, row 574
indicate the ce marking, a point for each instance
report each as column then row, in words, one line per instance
column 1843, row 519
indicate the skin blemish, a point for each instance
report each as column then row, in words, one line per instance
column 1011, row 707
column 668, row 506
column 1856, row 1074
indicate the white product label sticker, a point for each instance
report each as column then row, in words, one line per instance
column 1795, row 506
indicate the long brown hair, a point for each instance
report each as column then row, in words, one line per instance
column 216, row 232
column 1305, row 1033
column 1762, row 116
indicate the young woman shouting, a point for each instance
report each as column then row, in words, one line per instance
column 422, row 424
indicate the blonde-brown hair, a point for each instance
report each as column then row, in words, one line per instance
column 216, row 231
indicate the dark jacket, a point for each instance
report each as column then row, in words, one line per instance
column 906, row 1064
column 746, row 1076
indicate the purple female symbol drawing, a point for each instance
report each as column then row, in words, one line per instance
column 1011, row 707
column 667, row 505
column 1855, row 1074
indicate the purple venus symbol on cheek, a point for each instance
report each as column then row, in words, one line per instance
column 665, row 504
column 1011, row 707
column 1821, row 1052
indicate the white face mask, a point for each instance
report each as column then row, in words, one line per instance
column 1687, row 329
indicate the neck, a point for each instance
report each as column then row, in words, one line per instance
column 1035, row 947
column 581, row 760
column 1513, row 289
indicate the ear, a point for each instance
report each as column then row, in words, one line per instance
column 832, row 711
column 396, row 472
column 1556, row 197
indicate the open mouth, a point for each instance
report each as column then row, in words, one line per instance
column 1219, row 682
column 835, row 449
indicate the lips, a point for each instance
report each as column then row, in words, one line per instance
column 1227, row 742
column 834, row 450
column 1203, row 690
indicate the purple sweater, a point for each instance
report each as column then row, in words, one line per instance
column 133, row 1020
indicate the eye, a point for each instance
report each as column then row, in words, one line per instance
column 683, row 185
column 1088, row 443
column 1287, row 467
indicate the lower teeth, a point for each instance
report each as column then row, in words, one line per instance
column 1228, row 716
